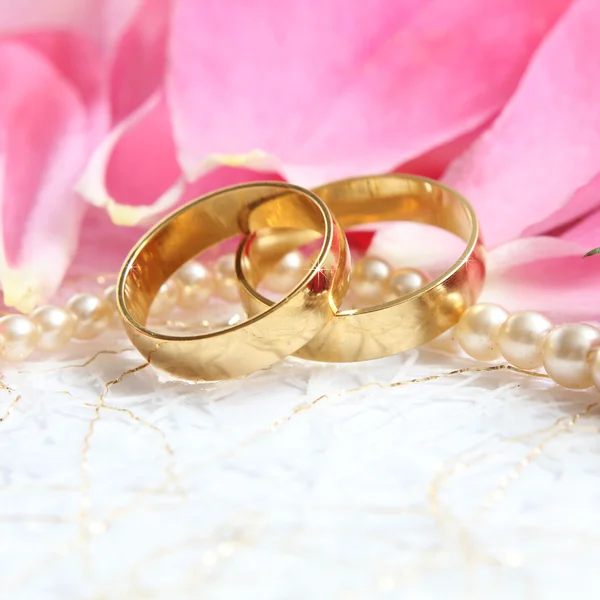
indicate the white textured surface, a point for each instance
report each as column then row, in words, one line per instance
column 471, row 486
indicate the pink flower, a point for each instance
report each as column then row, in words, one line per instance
column 55, row 65
column 144, row 104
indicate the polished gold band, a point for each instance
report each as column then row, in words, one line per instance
column 398, row 325
column 264, row 339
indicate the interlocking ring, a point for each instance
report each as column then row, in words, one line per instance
column 400, row 324
column 308, row 321
column 263, row 339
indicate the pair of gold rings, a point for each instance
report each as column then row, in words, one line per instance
column 307, row 322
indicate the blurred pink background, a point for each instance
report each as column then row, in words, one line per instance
column 113, row 112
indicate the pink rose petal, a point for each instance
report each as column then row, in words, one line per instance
column 43, row 146
column 322, row 90
column 584, row 202
column 586, row 232
column 545, row 145
column 223, row 177
column 418, row 246
column 101, row 20
column 103, row 246
column 544, row 274
column 82, row 64
column 40, row 14
column 140, row 57
column 433, row 163
column 76, row 57
column 134, row 173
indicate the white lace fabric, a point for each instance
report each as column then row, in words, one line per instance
column 286, row 485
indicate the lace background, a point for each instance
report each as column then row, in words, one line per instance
column 288, row 484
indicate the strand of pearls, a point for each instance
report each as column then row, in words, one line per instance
column 569, row 353
column 86, row 316
column 374, row 279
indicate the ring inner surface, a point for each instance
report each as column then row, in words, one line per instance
column 398, row 198
column 359, row 202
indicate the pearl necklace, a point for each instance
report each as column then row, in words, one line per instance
column 569, row 353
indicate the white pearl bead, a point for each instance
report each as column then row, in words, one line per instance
column 404, row 281
column 478, row 329
column 565, row 354
column 227, row 283
column 286, row 273
column 110, row 296
column 594, row 366
column 196, row 284
column 20, row 336
column 56, row 326
column 522, row 338
column 92, row 315
column 166, row 299
column 368, row 278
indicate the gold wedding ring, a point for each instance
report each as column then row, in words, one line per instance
column 398, row 325
column 280, row 330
